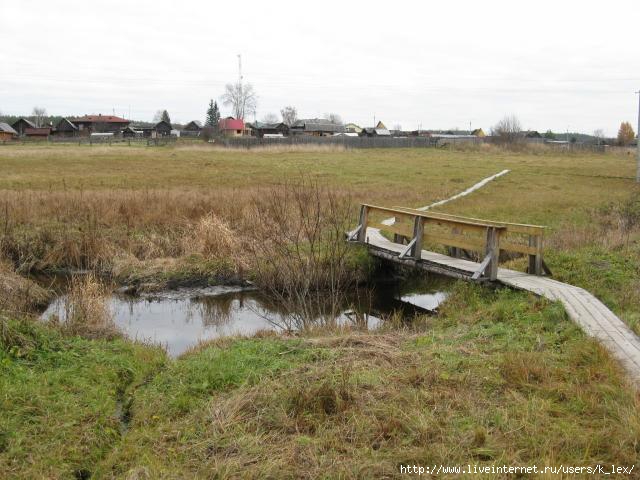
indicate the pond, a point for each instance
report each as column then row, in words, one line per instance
column 179, row 319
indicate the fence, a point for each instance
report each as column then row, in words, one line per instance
column 347, row 142
column 160, row 141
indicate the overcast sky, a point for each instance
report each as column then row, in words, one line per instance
column 555, row 64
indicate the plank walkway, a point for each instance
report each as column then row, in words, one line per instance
column 595, row 319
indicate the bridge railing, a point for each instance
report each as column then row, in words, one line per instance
column 414, row 228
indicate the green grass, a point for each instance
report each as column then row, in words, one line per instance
column 498, row 377
column 61, row 398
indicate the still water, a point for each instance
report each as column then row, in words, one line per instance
column 179, row 319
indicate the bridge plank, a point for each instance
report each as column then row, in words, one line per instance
column 589, row 313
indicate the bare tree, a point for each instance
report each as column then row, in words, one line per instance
column 38, row 115
column 599, row 134
column 508, row 130
column 270, row 118
column 289, row 115
column 334, row 118
column 242, row 99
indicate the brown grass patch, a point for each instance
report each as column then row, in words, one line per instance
column 86, row 312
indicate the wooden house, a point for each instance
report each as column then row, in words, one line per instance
column 162, row 129
column 7, row 132
column 66, row 128
column 315, row 127
column 192, row 129
column 21, row 125
column 380, row 130
column 260, row 129
column 478, row 132
column 352, row 128
column 38, row 133
column 89, row 124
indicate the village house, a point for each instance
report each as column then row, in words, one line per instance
column 66, row 128
column 316, row 127
column 89, row 124
column 41, row 133
column 21, row 125
column 192, row 129
column 232, row 127
column 162, row 129
column 352, row 128
column 380, row 130
column 260, row 129
column 7, row 132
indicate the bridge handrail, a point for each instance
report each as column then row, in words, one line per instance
column 495, row 235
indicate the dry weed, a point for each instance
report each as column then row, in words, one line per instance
column 86, row 312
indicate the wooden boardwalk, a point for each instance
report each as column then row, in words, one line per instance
column 595, row 319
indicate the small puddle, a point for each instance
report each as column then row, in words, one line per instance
column 179, row 319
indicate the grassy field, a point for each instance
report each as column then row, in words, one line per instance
column 497, row 377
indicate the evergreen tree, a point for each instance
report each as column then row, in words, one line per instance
column 213, row 115
column 165, row 117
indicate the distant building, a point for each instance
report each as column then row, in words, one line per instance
column 478, row 132
column 131, row 132
column 316, row 127
column 162, row 129
column 232, row 127
column 89, row 124
column 21, row 125
column 380, row 130
column 66, row 128
column 7, row 132
column 37, row 133
column 192, row 129
column 260, row 129
column 352, row 128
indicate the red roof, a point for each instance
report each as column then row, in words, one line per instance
column 99, row 119
column 230, row 124
column 37, row 131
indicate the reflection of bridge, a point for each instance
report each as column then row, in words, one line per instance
column 408, row 237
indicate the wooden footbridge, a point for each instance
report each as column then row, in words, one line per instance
column 471, row 249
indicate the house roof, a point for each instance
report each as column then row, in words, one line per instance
column 231, row 123
column 383, row 132
column 69, row 122
column 318, row 125
column 28, row 122
column 37, row 131
column 265, row 126
column 5, row 127
column 195, row 123
column 163, row 122
column 99, row 119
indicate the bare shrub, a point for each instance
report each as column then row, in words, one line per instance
column 508, row 130
column 298, row 250
column 86, row 312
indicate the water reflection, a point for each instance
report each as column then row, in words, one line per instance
column 180, row 319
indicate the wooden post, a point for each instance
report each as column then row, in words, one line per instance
column 535, row 260
column 493, row 249
column 418, row 231
column 364, row 218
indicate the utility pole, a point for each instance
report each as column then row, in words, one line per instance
column 241, row 107
column 638, row 141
